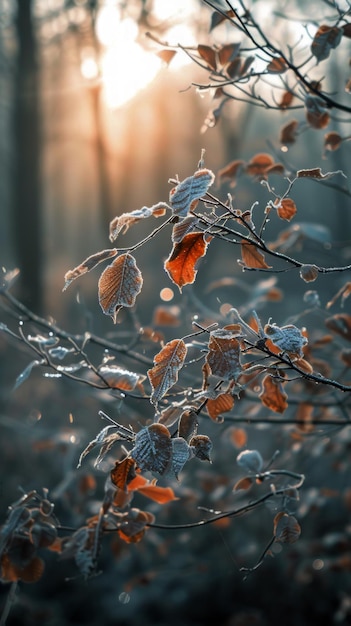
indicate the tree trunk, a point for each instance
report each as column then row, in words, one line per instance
column 26, row 211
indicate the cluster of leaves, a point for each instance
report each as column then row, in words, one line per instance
column 225, row 360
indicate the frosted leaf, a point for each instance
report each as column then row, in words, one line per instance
column 153, row 449
column 288, row 338
column 250, row 460
column 167, row 363
column 190, row 190
column 119, row 285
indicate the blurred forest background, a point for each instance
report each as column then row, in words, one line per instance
column 92, row 125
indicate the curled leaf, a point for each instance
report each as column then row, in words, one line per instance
column 87, row 265
column 180, row 265
column 326, row 38
column 119, row 285
column 277, row 66
column 286, row 208
column 121, row 223
column 272, row 395
column 167, row 364
column 224, row 354
column 286, row 528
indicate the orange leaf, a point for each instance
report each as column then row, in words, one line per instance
column 232, row 169
column 243, row 484
column 251, row 256
column 167, row 364
column 119, row 285
column 180, row 265
column 166, row 55
column 286, row 208
column 259, row 163
column 118, row 378
column 239, row 437
column 158, row 494
column 277, row 66
column 273, row 396
column 87, row 265
column 123, row 472
column 222, row 404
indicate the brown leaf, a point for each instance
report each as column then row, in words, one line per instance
column 326, row 38
column 286, row 528
column 304, row 417
column 251, row 256
column 346, row 30
column 228, row 53
column 233, row 69
column 239, row 437
column 332, row 141
column 119, row 285
column 180, row 265
column 258, row 164
column 224, row 354
column 217, row 18
column 277, row 66
column 118, row 378
column 288, row 133
column 209, row 55
column 246, row 65
column 166, row 316
column 232, row 169
column 286, row 100
column 344, row 292
column 167, row 364
column 121, row 223
column 286, row 208
column 123, row 472
column 166, row 55
column 340, row 324
column 184, row 227
column 272, row 395
column 243, row 484
column 309, row 273
column 222, row 404
column 316, row 113
column 87, row 265
column 202, row 446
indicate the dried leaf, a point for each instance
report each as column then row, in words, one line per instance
column 232, row 169
column 258, row 164
column 304, row 417
column 316, row 113
column 246, row 65
column 224, row 354
column 166, row 55
column 234, row 68
column 340, row 324
column 162, row 495
column 121, row 223
column 123, row 472
column 286, row 528
column 317, row 173
column 309, row 273
column 184, row 227
column 326, row 38
column 167, row 364
column 119, row 285
column 153, row 449
column 181, row 453
column 217, row 18
column 188, row 424
column 277, row 66
column 118, row 378
column 243, row 484
column 222, row 404
column 285, row 101
column 189, row 190
column 228, row 53
column 287, row 338
column 180, row 265
column 272, row 395
column 288, row 133
column 252, row 257
column 87, row 265
column 166, row 316
column 208, row 54
column 346, row 30
column 332, row 141
column 286, row 208
column 239, row 437
column 202, row 446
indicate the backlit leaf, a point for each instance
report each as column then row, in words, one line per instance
column 243, row 484
column 316, row 113
column 87, row 265
column 272, row 395
column 251, row 256
column 239, row 437
column 224, row 354
column 217, row 18
column 286, row 208
column 286, row 100
column 286, row 528
column 208, row 54
column 167, row 364
column 184, row 227
column 317, row 173
column 189, row 190
column 228, row 53
column 123, row 472
column 232, row 169
column 162, row 495
column 325, row 39
column 332, row 141
column 259, row 163
column 119, row 378
column 166, row 55
column 153, row 449
column 202, row 446
column 181, row 264
column 277, row 66
column 119, row 285
column 181, row 453
column 222, row 404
